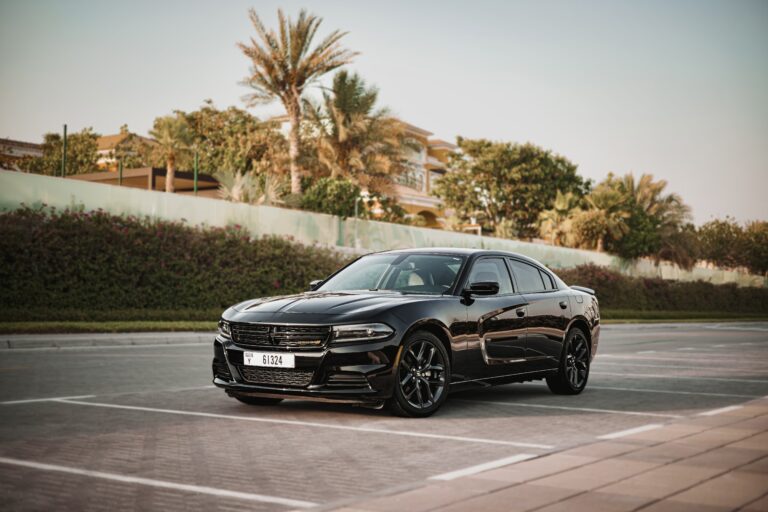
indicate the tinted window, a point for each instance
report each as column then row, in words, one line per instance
column 416, row 273
column 491, row 269
column 527, row 277
column 549, row 284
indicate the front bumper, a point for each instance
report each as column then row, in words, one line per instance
column 356, row 373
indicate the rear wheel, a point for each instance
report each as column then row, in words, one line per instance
column 257, row 400
column 423, row 376
column 571, row 377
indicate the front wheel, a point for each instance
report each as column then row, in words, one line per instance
column 573, row 372
column 423, row 376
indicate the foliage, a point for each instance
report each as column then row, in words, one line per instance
column 81, row 154
column 603, row 219
column 332, row 195
column 252, row 188
column 283, row 64
column 494, row 181
column 173, row 138
column 556, row 223
column 727, row 244
column 617, row 291
column 133, row 151
column 506, row 228
column 96, row 261
column 354, row 139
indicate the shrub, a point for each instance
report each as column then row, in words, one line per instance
column 82, row 262
column 617, row 291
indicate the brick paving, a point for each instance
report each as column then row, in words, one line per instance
column 703, row 464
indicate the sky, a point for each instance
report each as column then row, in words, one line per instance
column 678, row 89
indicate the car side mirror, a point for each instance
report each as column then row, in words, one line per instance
column 314, row 285
column 482, row 288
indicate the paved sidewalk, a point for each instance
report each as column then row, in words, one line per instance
column 17, row 341
column 706, row 463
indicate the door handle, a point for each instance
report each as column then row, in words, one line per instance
column 563, row 304
column 520, row 312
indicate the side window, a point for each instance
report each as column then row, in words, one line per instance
column 491, row 269
column 549, row 284
column 527, row 277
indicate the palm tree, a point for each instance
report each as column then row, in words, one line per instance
column 173, row 138
column 356, row 141
column 556, row 222
column 669, row 209
column 605, row 217
column 285, row 63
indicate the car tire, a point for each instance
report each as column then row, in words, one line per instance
column 257, row 400
column 573, row 371
column 422, row 376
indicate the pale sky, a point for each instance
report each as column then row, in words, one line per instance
column 678, row 89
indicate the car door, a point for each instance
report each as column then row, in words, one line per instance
column 497, row 322
column 547, row 316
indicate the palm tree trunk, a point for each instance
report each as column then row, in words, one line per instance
column 600, row 247
column 170, row 173
column 294, row 112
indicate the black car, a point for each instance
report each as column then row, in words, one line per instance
column 401, row 328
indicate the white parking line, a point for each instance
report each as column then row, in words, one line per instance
column 33, row 400
column 646, row 352
column 715, row 412
column 310, row 424
column 163, row 484
column 670, row 392
column 629, row 432
column 483, row 467
column 581, row 409
column 657, row 376
column 678, row 367
column 202, row 344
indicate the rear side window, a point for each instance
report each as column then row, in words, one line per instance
column 491, row 269
column 528, row 277
column 549, row 284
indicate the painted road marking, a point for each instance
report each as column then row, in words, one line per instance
column 667, row 391
column 483, row 467
column 643, row 352
column 721, row 327
column 678, row 367
column 33, row 400
column 163, row 484
column 309, row 424
column 202, row 344
column 715, row 412
column 685, row 377
column 629, row 432
column 582, row 409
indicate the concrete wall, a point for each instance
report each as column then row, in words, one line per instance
column 315, row 228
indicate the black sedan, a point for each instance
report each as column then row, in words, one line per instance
column 402, row 328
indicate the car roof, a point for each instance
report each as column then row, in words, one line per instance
column 463, row 251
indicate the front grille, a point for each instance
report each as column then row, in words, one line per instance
column 347, row 380
column 290, row 377
column 265, row 335
column 221, row 370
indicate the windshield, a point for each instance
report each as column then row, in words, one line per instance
column 406, row 273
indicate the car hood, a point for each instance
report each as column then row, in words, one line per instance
column 327, row 303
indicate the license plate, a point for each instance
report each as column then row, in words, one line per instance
column 269, row 359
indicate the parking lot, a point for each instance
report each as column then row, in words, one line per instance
column 140, row 427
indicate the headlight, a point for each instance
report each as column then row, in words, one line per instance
column 224, row 329
column 361, row 332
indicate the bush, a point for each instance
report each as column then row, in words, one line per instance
column 617, row 291
column 333, row 196
column 77, row 266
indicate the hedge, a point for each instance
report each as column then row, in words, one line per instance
column 617, row 291
column 57, row 265
column 71, row 265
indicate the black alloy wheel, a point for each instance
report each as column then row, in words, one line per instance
column 571, row 378
column 423, row 376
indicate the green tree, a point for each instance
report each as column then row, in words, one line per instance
column 81, row 154
column 722, row 242
column 133, row 151
column 604, row 218
column 556, row 224
column 173, row 138
column 355, row 140
column 285, row 63
column 756, row 246
column 335, row 196
column 496, row 180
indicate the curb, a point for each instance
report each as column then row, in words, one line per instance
column 33, row 341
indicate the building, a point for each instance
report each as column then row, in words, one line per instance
column 150, row 178
column 11, row 151
column 107, row 144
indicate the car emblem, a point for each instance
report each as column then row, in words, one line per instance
column 271, row 334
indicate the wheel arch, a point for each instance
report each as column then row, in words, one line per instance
column 582, row 323
column 434, row 327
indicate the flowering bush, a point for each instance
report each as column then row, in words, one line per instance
column 94, row 261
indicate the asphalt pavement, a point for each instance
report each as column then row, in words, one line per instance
column 138, row 426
